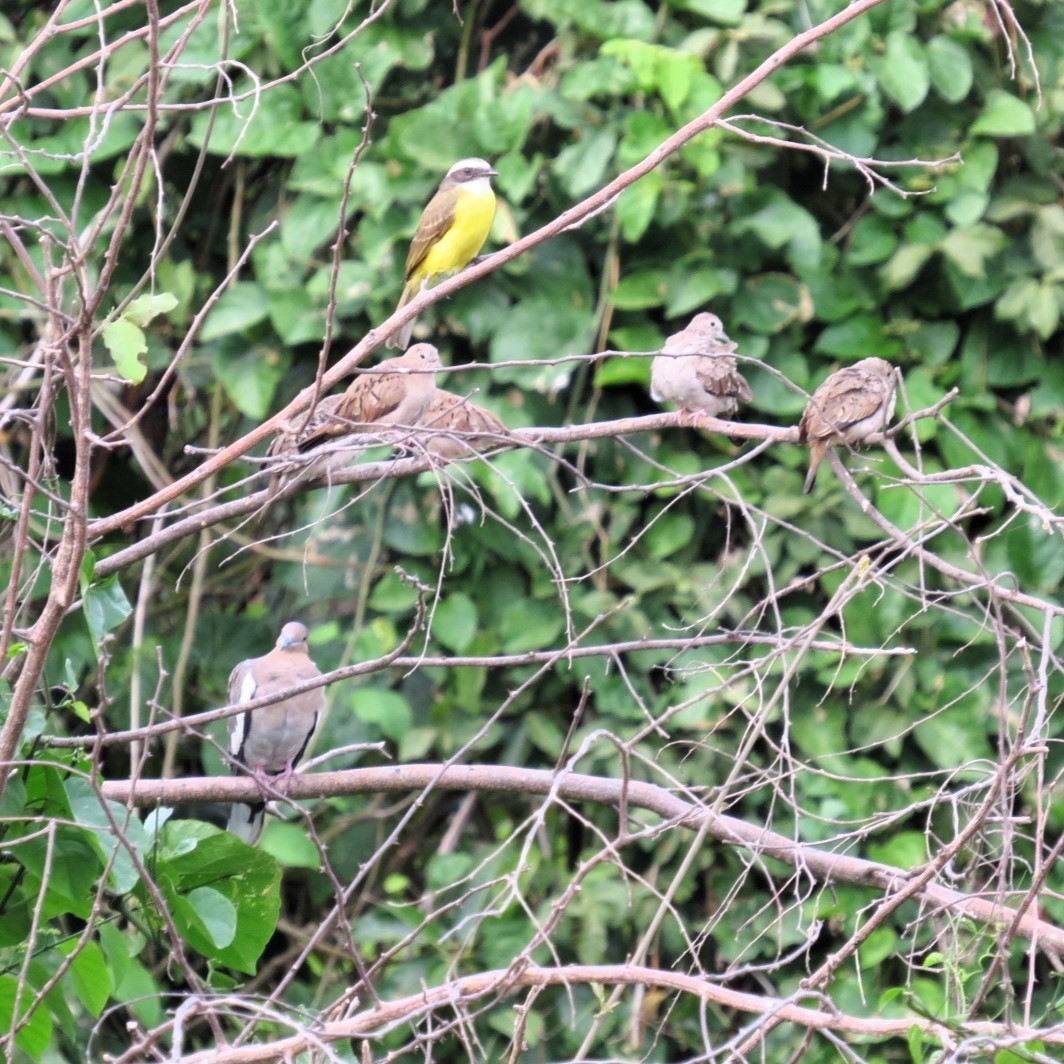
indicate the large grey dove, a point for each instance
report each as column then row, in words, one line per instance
column 271, row 739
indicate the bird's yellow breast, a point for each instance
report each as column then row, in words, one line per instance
column 474, row 210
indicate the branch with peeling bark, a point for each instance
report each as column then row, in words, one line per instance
column 573, row 786
column 470, row 994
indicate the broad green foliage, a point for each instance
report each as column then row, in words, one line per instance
column 67, row 863
column 332, row 121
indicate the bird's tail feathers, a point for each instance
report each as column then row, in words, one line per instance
column 401, row 338
column 246, row 821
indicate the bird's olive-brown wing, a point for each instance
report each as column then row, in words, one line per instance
column 436, row 219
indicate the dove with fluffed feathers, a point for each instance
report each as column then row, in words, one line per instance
column 455, row 427
column 272, row 738
column 852, row 404
column 696, row 371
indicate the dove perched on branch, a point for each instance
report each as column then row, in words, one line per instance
column 458, row 428
column 853, row 403
column 271, row 739
column 695, row 371
column 397, row 392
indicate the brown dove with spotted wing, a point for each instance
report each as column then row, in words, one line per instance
column 455, row 427
column 853, row 403
column 397, row 392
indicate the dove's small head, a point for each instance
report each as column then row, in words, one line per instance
column 293, row 636
column 422, row 357
column 708, row 324
column 880, row 367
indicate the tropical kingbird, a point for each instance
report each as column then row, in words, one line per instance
column 452, row 229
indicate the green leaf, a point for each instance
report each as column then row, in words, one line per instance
column 385, row 709
column 1034, row 555
column 877, row 947
column 725, row 12
column 967, row 207
column 769, row 303
column 216, row 914
column 263, row 125
column 783, row 223
column 530, row 625
column 36, row 1036
column 239, row 307
column 1003, row 115
column 618, row 370
column 105, row 607
column 858, row 337
column 693, row 283
column 606, row 75
column 582, row 165
column 454, row 622
column 195, row 855
column 87, row 810
column 65, row 886
column 916, row 1044
column 290, row 844
column 117, row 949
column 1032, row 305
column 970, row 246
column 903, row 71
column 250, row 377
column 537, row 328
column 283, row 22
column 950, row 67
column 1047, row 239
column 393, row 594
column 906, row 849
column 503, row 119
column 872, row 241
column 901, row 270
column 636, row 207
column 668, row 533
column 90, row 976
column 641, row 290
column 126, row 343
column 296, row 316
column 143, row 309
column 676, row 76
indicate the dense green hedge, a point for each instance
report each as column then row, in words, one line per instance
column 795, row 720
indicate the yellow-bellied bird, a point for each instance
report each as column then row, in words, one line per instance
column 271, row 739
column 452, row 230
column 696, row 371
column 852, row 404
